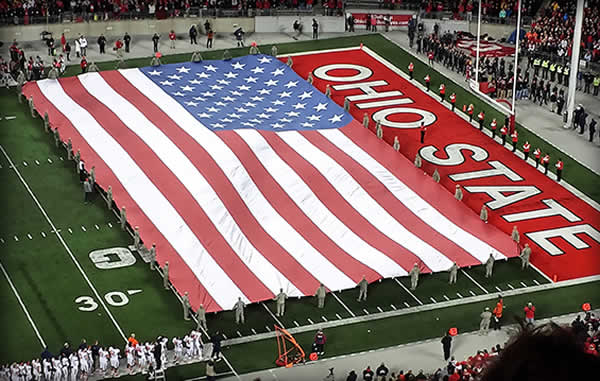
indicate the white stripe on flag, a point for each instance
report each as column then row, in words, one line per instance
column 363, row 203
column 421, row 208
column 192, row 179
column 151, row 201
column 314, row 209
column 273, row 223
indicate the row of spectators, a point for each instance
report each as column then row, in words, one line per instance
column 552, row 31
column 23, row 11
column 567, row 345
column 465, row 9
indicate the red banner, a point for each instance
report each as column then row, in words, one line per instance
column 561, row 228
column 360, row 19
column 486, row 48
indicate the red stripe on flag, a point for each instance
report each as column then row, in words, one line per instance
column 183, row 278
column 444, row 202
column 172, row 188
column 340, row 207
column 205, row 164
column 386, row 199
column 286, row 207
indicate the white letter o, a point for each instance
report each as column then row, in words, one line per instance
column 363, row 72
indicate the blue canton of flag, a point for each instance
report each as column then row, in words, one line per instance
column 255, row 91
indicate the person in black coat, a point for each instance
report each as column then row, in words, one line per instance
column 155, row 40
column 158, row 353
column 102, row 43
column 592, row 129
column 446, row 343
column 216, row 342
column 352, row 376
column 193, row 35
column 127, row 41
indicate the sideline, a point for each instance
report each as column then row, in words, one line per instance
column 12, row 286
column 62, row 241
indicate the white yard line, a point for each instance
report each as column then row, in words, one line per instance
column 272, row 315
column 407, row 290
column 14, row 290
column 99, row 298
column 474, row 281
column 342, row 303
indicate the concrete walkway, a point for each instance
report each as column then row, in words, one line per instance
column 538, row 119
column 426, row 355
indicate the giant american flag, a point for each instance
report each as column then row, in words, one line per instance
column 249, row 180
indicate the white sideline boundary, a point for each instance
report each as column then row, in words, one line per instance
column 62, row 241
column 25, row 310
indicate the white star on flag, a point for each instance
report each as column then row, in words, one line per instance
column 321, row 106
column 203, row 115
column 223, row 82
column 187, row 88
column 271, row 82
column 212, row 109
column 257, row 98
column 277, row 102
column 228, row 99
column 191, row 103
column 263, row 115
column 195, row 81
column 299, row 106
column 247, row 124
column 226, row 120
column 314, row 117
column 250, row 104
column 230, row 75
column 292, row 113
column 238, row 65
column 336, row 118
column 278, row 71
column 210, row 68
column 183, row 69
column 305, row 95
column 166, row 83
column 264, row 60
column 208, row 94
column 243, row 87
column 277, row 125
column 250, row 79
column 236, row 93
column 285, row 120
column 306, row 124
column 264, row 91
column 174, row 76
column 218, row 125
column 285, row 94
column 179, row 94
column 199, row 99
column 234, row 115
column 257, row 70
column 257, row 121
column 154, row 72
column 291, row 84
column 270, row 109
column 203, row 75
column 216, row 87
column 219, row 103
column 241, row 109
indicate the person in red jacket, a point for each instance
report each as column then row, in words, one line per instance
column 559, row 168
column 453, row 101
column 320, row 340
column 529, row 313
column 172, row 38
column 427, row 81
column 493, row 126
column 411, row 69
column 538, row 155
column 442, row 92
column 504, row 133
column 481, row 118
column 430, row 56
column 526, row 148
column 63, row 41
column 83, row 64
column 118, row 46
column 546, row 163
column 515, row 139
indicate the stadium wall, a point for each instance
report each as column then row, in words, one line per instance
column 274, row 24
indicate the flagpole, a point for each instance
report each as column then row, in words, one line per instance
column 477, row 51
column 518, row 37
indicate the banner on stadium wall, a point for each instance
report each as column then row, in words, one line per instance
column 360, row 19
column 486, row 48
column 562, row 229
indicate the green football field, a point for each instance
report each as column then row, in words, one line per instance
column 52, row 292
